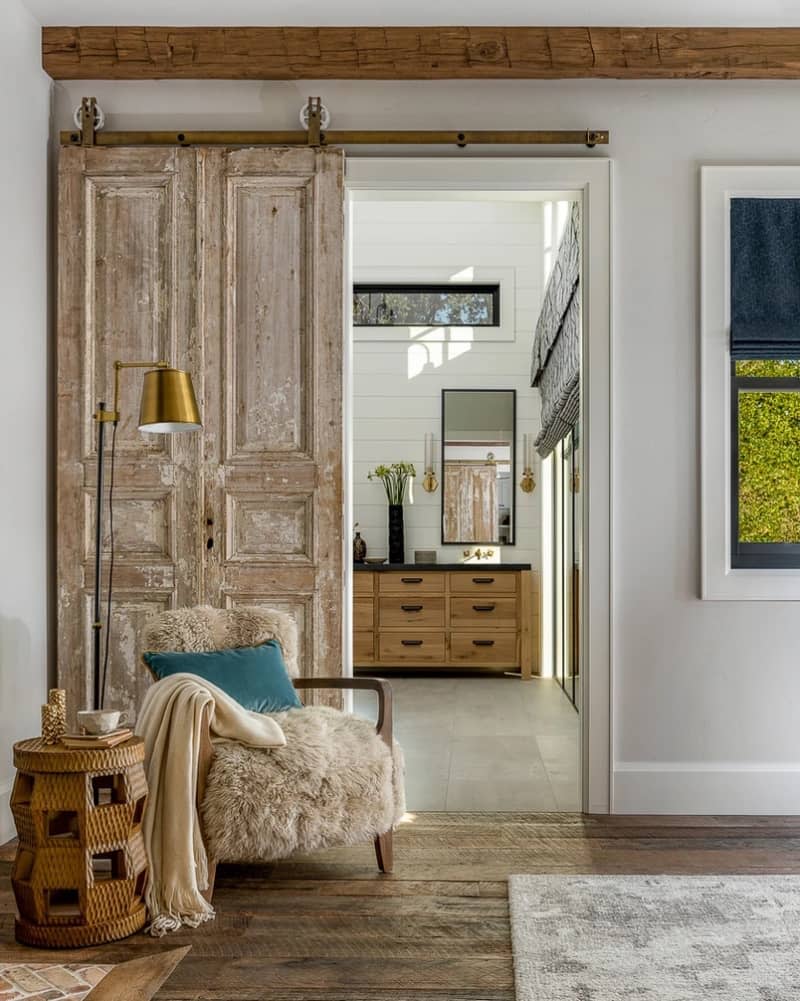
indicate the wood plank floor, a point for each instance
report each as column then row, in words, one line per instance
column 328, row 927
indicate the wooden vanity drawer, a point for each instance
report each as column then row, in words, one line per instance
column 363, row 647
column 362, row 582
column 421, row 610
column 483, row 582
column 407, row 647
column 499, row 649
column 483, row 612
column 363, row 613
column 409, row 582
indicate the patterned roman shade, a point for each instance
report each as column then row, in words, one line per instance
column 765, row 277
column 555, row 371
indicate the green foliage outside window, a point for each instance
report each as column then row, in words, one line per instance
column 768, row 368
column 769, row 456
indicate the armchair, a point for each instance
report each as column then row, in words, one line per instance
column 338, row 780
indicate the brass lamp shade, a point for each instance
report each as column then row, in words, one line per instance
column 168, row 402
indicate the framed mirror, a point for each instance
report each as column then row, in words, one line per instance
column 478, row 466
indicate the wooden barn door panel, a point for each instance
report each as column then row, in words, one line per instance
column 127, row 289
column 271, row 303
column 228, row 263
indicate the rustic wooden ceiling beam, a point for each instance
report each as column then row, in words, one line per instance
column 393, row 53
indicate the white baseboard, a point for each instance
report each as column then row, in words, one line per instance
column 7, row 829
column 698, row 788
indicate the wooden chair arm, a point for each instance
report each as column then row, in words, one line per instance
column 383, row 689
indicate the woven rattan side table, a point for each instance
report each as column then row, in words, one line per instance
column 80, row 870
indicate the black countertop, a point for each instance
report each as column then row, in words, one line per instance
column 467, row 567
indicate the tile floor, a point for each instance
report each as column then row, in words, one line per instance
column 484, row 743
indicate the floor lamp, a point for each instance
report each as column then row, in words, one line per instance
column 168, row 405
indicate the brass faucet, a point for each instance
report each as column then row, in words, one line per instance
column 478, row 555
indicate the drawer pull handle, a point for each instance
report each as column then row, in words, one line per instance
column 483, row 608
column 483, row 642
column 410, row 580
column 411, row 608
column 411, row 642
column 483, row 580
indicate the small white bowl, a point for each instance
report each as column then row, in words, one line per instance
column 99, row 720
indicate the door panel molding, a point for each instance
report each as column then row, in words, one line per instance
column 269, row 414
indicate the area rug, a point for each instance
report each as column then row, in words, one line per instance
column 641, row 938
column 46, row 982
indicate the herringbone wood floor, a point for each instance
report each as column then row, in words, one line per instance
column 330, row 928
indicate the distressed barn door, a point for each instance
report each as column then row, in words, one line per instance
column 271, row 307
column 228, row 264
column 126, row 290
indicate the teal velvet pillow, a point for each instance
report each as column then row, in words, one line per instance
column 255, row 676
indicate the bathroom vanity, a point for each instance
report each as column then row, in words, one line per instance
column 456, row 615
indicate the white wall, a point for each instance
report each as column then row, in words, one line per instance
column 398, row 388
column 414, row 12
column 24, row 389
column 706, row 696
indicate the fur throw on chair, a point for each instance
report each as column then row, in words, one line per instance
column 333, row 783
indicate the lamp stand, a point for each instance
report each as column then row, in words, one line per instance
column 168, row 405
column 97, row 624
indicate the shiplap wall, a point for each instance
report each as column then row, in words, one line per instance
column 397, row 387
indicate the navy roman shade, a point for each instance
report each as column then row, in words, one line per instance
column 765, row 277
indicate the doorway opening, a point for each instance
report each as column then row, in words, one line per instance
column 573, row 634
column 448, row 289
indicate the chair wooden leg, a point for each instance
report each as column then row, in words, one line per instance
column 384, row 852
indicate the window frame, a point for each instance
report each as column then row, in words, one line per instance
column 719, row 579
column 756, row 555
column 491, row 289
column 383, row 275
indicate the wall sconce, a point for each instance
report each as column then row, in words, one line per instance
column 429, row 481
column 527, row 484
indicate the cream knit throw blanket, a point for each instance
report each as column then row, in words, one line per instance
column 170, row 723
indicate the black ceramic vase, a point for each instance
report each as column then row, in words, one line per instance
column 397, row 545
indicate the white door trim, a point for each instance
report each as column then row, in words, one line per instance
column 592, row 177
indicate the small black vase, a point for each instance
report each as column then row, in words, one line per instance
column 359, row 549
column 397, row 545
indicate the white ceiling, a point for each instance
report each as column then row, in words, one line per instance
column 417, row 12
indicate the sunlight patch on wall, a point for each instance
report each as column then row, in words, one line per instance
column 428, row 350
column 547, row 668
column 554, row 219
column 423, row 356
column 464, row 275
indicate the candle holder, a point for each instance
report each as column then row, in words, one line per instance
column 528, row 483
column 429, row 481
column 54, row 716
